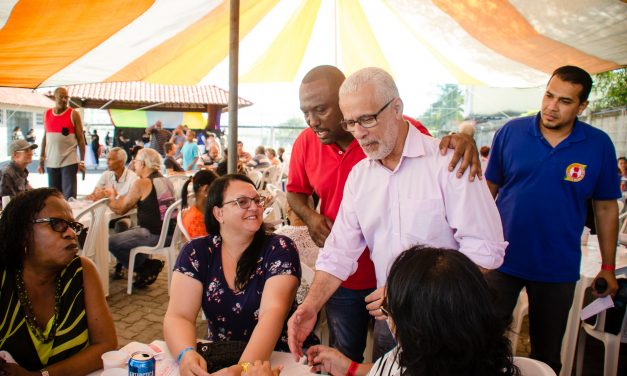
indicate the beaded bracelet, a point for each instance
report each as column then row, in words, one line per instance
column 183, row 353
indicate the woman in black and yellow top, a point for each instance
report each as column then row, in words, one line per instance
column 54, row 318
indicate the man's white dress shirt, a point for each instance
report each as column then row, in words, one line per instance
column 420, row 202
column 122, row 185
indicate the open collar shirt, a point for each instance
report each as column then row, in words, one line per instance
column 420, row 202
column 122, row 185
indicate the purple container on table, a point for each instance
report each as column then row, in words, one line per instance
column 141, row 364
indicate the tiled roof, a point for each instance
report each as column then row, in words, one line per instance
column 141, row 94
column 24, row 97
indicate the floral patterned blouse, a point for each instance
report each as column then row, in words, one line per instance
column 232, row 315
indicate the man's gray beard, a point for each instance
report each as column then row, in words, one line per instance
column 381, row 153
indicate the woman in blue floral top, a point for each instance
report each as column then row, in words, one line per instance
column 245, row 279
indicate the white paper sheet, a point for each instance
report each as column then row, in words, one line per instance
column 597, row 306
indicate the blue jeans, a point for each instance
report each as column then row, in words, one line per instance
column 120, row 245
column 348, row 321
column 63, row 179
column 383, row 339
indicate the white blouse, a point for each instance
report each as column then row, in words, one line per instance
column 387, row 365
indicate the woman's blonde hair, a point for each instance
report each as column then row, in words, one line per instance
column 152, row 160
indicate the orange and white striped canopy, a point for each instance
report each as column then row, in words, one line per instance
column 512, row 43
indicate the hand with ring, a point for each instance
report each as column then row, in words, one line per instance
column 373, row 304
column 259, row 368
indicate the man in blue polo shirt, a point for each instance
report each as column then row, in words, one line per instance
column 543, row 169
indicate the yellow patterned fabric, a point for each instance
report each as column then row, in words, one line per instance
column 71, row 336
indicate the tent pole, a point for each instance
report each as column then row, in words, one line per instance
column 233, row 94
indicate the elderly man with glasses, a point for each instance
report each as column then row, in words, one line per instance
column 322, row 157
column 401, row 195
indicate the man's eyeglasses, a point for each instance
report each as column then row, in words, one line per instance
column 366, row 121
column 244, row 202
column 384, row 306
column 61, row 225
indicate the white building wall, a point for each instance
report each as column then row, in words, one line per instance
column 6, row 112
column 491, row 100
column 614, row 123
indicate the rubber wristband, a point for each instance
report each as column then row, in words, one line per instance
column 178, row 360
column 609, row 268
column 352, row 369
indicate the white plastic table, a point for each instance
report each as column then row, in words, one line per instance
column 166, row 364
column 100, row 252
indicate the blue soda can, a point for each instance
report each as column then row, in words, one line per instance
column 141, row 364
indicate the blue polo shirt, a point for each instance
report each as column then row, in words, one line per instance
column 543, row 192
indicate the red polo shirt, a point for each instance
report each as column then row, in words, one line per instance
column 324, row 169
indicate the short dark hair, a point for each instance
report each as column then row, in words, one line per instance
column 248, row 261
column 167, row 147
column 444, row 314
column 621, row 159
column 484, row 151
column 16, row 224
column 200, row 179
column 575, row 75
column 134, row 150
column 326, row 72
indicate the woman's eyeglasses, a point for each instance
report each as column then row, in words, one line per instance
column 244, row 202
column 61, row 225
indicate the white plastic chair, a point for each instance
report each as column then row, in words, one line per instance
column 159, row 249
column 622, row 233
column 521, row 310
column 96, row 213
column 179, row 217
column 610, row 341
column 178, row 181
column 272, row 175
column 96, row 246
column 257, row 178
column 179, row 224
column 275, row 214
column 532, row 367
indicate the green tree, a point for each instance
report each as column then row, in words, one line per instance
column 610, row 89
column 286, row 132
column 445, row 110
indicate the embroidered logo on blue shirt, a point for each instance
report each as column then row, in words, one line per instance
column 575, row 172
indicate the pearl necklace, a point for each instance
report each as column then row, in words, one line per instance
column 29, row 314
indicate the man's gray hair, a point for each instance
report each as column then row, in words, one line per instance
column 152, row 160
column 385, row 88
column 121, row 153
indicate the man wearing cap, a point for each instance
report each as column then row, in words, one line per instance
column 14, row 177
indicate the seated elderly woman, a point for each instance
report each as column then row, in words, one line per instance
column 54, row 317
column 152, row 193
column 244, row 278
column 194, row 217
column 440, row 309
